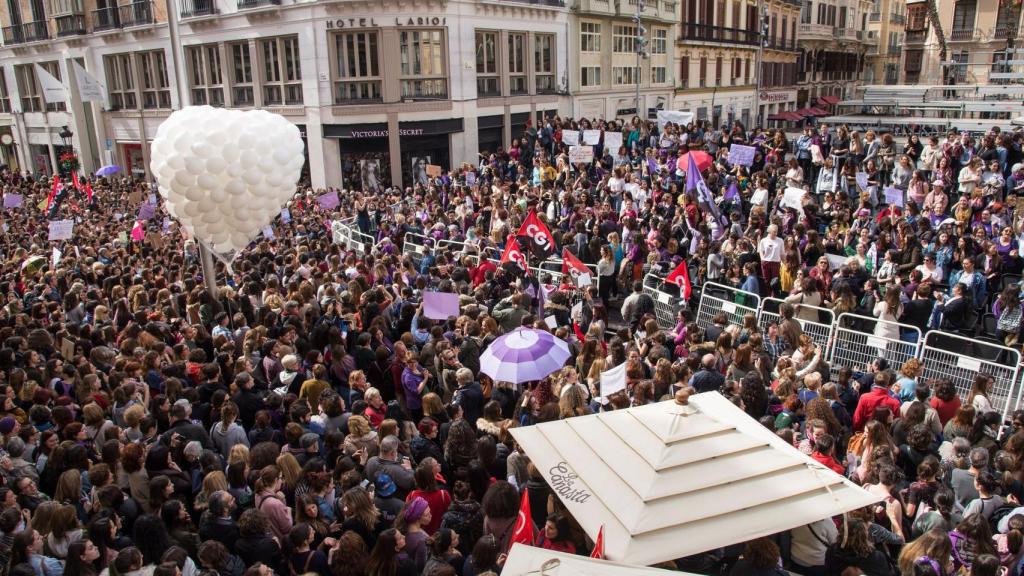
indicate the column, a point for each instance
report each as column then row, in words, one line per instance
column 394, row 149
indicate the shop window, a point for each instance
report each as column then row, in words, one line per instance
column 357, row 72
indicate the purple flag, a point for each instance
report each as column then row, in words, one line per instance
column 328, row 201
column 733, row 193
column 12, row 200
column 695, row 182
column 440, row 305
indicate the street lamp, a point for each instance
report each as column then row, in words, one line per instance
column 65, row 135
column 68, row 160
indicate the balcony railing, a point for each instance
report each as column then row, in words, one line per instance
column 105, row 19
column 550, row 3
column 70, row 25
column 897, row 18
column 1004, row 32
column 875, row 17
column 963, row 35
column 817, row 31
column 705, row 33
column 895, row 50
column 788, row 45
column 35, row 31
column 137, row 13
column 13, row 35
column 192, row 8
column 243, row 4
column 917, row 35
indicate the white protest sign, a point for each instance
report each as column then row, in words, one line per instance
column 793, row 197
column 612, row 141
column 591, row 137
column 551, row 322
column 674, row 116
column 581, row 154
column 583, row 280
column 741, row 155
column 268, row 233
column 613, row 381
column 61, row 229
column 55, row 257
column 570, row 137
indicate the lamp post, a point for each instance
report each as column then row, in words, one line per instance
column 641, row 49
column 67, row 160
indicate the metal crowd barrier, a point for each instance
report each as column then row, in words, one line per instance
column 820, row 330
column 855, row 344
column 415, row 246
column 960, row 359
column 667, row 301
column 735, row 303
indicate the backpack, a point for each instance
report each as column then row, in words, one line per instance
column 998, row 514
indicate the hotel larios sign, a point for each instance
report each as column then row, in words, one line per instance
column 399, row 21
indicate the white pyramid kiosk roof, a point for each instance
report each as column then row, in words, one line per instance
column 668, row 480
column 529, row 560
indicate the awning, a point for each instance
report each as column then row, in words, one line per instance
column 818, row 112
column 829, row 100
column 523, row 560
column 668, row 481
column 803, row 112
column 786, row 117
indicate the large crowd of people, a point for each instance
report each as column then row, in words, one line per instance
column 310, row 419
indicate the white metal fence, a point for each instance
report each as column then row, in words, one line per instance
column 961, row 359
column 820, row 330
column 733, row 302
column 667, row 301
column 857, row 342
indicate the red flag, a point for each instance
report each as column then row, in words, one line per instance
column 53, row 191
column 572, row 265
column 88, row 191
column 74, row 181
column 514, row 255
column 681, row 277
column 139, row 231
column 523, row 532
column 599, row 545
column 537, row 235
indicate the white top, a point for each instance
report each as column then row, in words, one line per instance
column 770, row 250
column 981, row 404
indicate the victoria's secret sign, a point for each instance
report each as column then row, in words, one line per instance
column 399, row 21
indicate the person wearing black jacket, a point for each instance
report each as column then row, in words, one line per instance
column 469, row 395
column 918, row 311
column 248, row 402
column 182, row 427
column 256, row 542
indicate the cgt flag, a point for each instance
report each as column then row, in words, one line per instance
column 599, row 545
column 514, row 256
column 681, row 277
column 523, row 532
column 572, row 265
column 537, row 236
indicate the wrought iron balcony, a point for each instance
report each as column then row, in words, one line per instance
column 70, row 25
column 105, row 19
column 13, row 35
column 193, row 8
column 35, row 31
column 691, row 32
column 245, row 4
column 137, row 13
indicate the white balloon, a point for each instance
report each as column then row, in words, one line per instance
column 176, row 161
column 195, row 165
column 191, row 209
column 235, row 187
column 182, row 180
column 215, row 165
column 207, row 181
column 207, row 205
column 252, row 177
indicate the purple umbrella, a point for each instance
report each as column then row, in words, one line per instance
column 108, row 170
column 523, row 355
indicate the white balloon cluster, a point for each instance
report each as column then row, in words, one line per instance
column 225, row 174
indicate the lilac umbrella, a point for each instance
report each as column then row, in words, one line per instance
column 523, row 355
column 108, row 170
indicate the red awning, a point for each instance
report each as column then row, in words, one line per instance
column 804, row 112
column 818, row 112
column 829, row 100
column 776, row 117
column 786, row 117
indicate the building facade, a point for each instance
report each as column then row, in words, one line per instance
column 778, row 90
column 977, row 36
column 604, row 56
column 378, row 88
column 833, row 42
column 885, row 24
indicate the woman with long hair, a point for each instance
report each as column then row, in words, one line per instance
column 27, row 548
column 303, row 557
column 931, row 547
column 961, row 424
column 971, row 538
column 349, row 556
column 360, row 515
column 979, row 393
column 178, row 521
column 856, row 550
column 256, row 543
column 82, row 559
column 385, row 559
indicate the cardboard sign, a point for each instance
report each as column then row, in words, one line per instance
column 433, row 170
column 286, row 215
column 268, row 233
column 862, row 180
column 591, row 137
column 570, row 137
column 155, row 240
column 581, row 154
column 135, row 197
column 67, row 349
column 741, row 155
column 61, row 229
column 146, row 211
column 13, row 201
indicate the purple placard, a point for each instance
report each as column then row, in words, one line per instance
column 146, row 211
column 440, row 305
column 13, row 200
column 328, row 201
column 741, row 155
